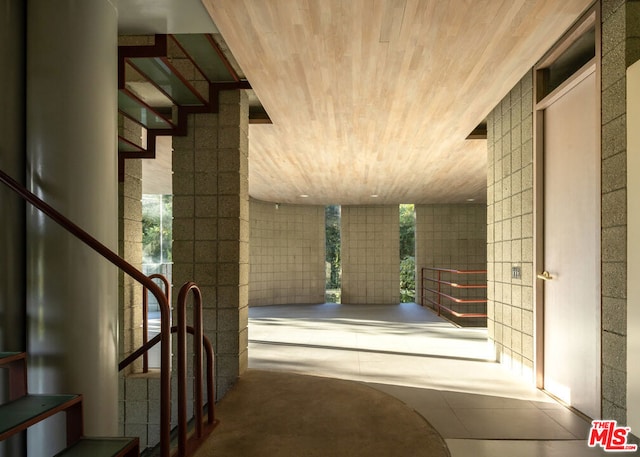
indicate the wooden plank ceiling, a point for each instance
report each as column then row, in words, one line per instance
column 377, row 97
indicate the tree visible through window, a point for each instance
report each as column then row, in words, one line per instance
column 407, row 253
column 157, row 213
column 332, row 253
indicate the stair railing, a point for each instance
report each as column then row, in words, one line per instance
column 439, row 294
column 104, row 251
column 186, row 446
column 200, row 432
column 198, row 335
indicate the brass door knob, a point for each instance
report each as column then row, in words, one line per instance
column 545, row 276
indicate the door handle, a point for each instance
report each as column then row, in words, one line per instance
column 545, row 276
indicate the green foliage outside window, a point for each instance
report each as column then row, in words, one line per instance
column 332, row 224
column 407, row 279
column 157, row 213
column 407, row 251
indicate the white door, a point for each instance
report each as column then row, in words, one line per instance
column 572, row 248
column 633, row 246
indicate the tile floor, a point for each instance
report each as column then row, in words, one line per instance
column 444, row 373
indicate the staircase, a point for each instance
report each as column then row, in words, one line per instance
column 158, row 89
column 24, row 410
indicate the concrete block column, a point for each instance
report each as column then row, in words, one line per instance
column 370, row 254
column 130, row 248
column 620, row 49
column 211, row 226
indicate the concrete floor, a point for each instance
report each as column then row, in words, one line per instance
column 444, row 373
column 278, row 414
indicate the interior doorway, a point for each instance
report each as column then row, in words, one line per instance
column 568, row 227
column 572, row 249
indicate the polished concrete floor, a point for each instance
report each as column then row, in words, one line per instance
column 444, row 373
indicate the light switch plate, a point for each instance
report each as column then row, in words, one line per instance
column 516, row 272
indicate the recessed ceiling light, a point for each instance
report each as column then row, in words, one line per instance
column 304, row 196
column 471, row 199
column 374, row 195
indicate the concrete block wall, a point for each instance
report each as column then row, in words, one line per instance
column 211, row 227
column 140, row 403
column 620, row 49
column 141, row 415
column 211, row 246
column 130, row 293
column 287, row 254
column 130, row 248
column 510, row 228
column 370, row 254
column 453, row 236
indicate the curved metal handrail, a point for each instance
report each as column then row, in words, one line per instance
column 208, row 348
column 181, row 304
column 206, row 343
column 104, row 251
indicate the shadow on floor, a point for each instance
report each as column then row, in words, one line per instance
column 276, row 414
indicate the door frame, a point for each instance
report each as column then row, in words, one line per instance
column 542, row 98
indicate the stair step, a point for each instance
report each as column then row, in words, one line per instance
column 103, row 447
column 10, row 357
column 16, row 363
column 18, row 415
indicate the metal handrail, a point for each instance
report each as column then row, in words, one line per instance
column 459, row 286
column 182, row 364
column 145, row 312
column 439, row 281
column 187, row 446
column 450, row 270
column 211, row 418
column 453, row 312
column 206, row 343
column 454, row 299
column 115, row 259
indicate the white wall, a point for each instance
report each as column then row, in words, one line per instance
column 72, row 292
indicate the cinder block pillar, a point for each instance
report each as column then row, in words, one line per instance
column 130, row 247
column 211, row 227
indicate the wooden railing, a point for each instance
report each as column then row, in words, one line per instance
column 165, row 321
column 433, row 276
